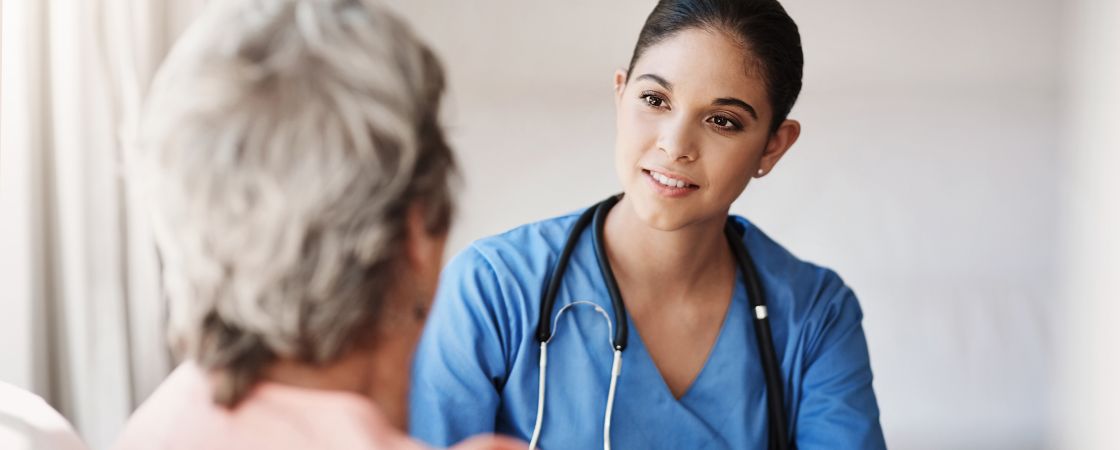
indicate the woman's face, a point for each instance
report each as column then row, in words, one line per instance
column 693, row 128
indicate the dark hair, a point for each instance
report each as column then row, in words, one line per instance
column 765, row 30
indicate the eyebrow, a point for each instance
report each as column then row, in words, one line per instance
column 725, row 101
column 731, row 101
column 656, row 79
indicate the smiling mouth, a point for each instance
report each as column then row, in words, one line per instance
column 668, row 181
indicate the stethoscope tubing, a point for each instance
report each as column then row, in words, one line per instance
column 596, row 216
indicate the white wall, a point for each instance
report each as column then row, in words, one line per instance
column 1090, row 362
column 925, row 176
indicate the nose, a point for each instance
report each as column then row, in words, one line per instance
column 677, row 141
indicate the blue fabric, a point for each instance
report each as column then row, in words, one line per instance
column 476, row 368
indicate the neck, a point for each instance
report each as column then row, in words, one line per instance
column 349, row 374
column 669, row 263
column 372, row 373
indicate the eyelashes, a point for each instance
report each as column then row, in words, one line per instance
column 725, row 122
column 721, row 122
column 653, row 100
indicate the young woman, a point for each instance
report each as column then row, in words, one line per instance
column 667, row 323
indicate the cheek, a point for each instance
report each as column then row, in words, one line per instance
column 731, row 168
column 733, row 179
column 636, row 129
column 634, row 137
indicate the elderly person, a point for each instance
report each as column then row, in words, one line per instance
column 290, row 157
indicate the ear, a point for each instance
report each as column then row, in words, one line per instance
column 780, row 142
column 619, row 85
column 423, row 250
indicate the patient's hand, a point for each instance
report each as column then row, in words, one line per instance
column 491, row 442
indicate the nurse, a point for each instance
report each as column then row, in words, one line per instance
column 701, row 111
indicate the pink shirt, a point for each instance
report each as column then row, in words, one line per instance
column 181, row 415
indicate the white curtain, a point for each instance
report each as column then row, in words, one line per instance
column 79, row 296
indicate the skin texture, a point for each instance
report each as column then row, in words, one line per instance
column 681, row 113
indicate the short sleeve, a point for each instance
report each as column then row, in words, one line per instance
column 459, row 361
column 838, row 409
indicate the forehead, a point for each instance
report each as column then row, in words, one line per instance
column 706, row 63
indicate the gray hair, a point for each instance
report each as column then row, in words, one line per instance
column 278, row 150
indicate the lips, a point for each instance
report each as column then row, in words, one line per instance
column 669, row 186
column 670, row 180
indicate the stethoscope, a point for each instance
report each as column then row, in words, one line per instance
column 546, row 329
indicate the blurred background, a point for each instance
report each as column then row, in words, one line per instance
column 957, row 166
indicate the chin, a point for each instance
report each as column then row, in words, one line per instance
column 663, row 216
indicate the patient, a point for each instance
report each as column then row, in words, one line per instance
column 290, row 158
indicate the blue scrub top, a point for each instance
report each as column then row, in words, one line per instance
column 476, row 368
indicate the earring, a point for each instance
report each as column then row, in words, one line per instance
column 761, row 172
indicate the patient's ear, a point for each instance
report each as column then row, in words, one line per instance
column 423, row 249
column 415, row 275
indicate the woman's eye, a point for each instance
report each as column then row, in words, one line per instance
column 724, row 122
column 653, row 100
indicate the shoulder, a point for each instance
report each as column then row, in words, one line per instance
column 811, row 309
column 806, row 287
column 179, row 408
column 524, row 252
column 775, row 259
column 488, row 296
column 342, row 420
column 533, row 240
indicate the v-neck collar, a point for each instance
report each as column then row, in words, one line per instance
column 717, row 355
column 705, row 400
column 644, row 401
